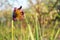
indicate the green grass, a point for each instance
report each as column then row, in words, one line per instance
column 32, row 30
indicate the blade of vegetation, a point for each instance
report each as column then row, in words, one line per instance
column 57, row 34
column 36, row 28
column 53, row 31
column 12, row 29
column 29, row 28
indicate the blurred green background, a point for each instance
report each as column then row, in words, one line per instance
column 41, row 21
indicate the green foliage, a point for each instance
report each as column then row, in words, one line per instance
column 38, row 24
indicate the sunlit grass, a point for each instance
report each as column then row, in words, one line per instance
column 32, row 31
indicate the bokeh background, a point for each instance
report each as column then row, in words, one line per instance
column 41, row 20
